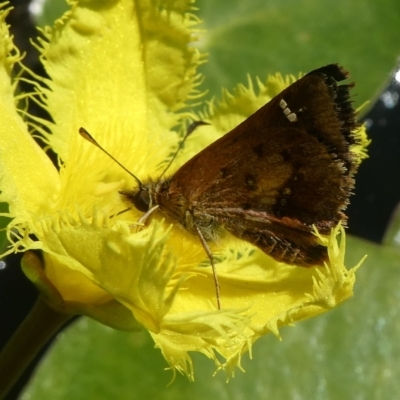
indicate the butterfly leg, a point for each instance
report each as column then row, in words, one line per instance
column 210, row 256
column 143, row 218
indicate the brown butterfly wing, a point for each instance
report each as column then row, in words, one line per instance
column 272, row 177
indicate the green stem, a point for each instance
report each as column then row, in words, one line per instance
column 34, row 332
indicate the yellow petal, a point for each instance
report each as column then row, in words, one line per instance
column 28, row 178
column 119, row 70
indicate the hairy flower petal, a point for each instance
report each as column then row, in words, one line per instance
column 125, row 71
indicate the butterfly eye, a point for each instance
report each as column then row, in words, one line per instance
column 141, row 200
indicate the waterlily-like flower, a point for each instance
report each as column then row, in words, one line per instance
column 126, row 71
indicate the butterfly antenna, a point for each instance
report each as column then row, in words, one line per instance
column 189, row 131
column 86, row 135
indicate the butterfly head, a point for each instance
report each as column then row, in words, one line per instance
column 141, row 198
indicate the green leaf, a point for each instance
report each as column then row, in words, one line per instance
column 259, row 37
column 52, row 9
column 350, row 352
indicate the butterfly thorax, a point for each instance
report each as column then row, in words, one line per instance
column 171, row 202
column 176, row 206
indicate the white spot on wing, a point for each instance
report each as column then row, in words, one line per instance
column 292, row 117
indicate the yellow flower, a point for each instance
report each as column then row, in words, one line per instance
column 126, row 71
